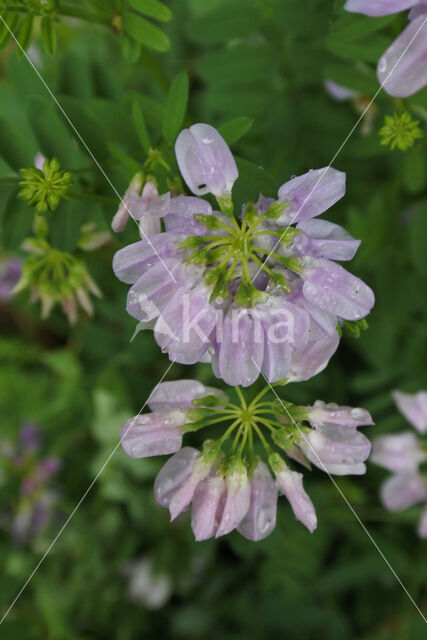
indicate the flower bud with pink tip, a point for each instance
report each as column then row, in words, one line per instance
column 260, row 519
column 290, row 484
column 237, row 500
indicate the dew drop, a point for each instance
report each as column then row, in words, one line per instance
column 382, row 65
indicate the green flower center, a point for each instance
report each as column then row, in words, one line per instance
column 236, row 248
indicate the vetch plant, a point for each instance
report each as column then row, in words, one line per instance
column 259, row 294
column 228, row 484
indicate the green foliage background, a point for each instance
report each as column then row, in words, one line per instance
column 263, row 62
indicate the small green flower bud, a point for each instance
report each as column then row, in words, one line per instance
column 400, row 131
column 44, row 189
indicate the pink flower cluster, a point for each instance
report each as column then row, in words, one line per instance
column 261, row 296
column 227, row 492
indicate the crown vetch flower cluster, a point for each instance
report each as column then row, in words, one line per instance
column 234, row 489
column 405, row 455
column 402, row 69
column 260, row 295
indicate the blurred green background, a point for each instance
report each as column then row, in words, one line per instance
column 120, row 569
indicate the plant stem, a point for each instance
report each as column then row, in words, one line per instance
column 241, row 397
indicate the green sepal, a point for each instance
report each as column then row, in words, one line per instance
column 354, row 327
column 251, row 214
column 280, row 281
column 210, row 222
column 247, row 295
column 276, row 209
column 276, row 462
column 210, row 400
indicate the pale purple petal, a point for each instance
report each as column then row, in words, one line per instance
column 180, row 216
column 398, row 452
column 151, row 203
column 413, row 407
column 339, row 93
column 207, row 507
column 180, row 394
column 149, row 226
column 321, row 412
column 152, row 291
column 378, row 7
column 30, row 437
column 358, row 469
column 311, row 194
column 322, row 322
column 334, row 444
column 205, row 161
column 323, row 239
column 402, row 70
column 10, row 273
column 332, row 288
column 184, row 495
column 173, row 474
column 260, row 519
column 185, row 326
column 286, row 327
column 419, row 10
column 314, row 358
column 128, row 204
column 403, row 491
column 236, row 503
column 132, row 261
column 290, row 483
column 153, row 434
column 422, row 526
column 240, row 348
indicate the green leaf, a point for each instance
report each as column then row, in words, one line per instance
column 144, row 32
column 417, row 234
column 88, row 128
column 25, row 32
column 414, row 169
column 235, row 129
column 141, row 129
column 131, row 50
column 48, row 33
column 352, row 78
column 124, row 158
column 51, row 133
column 152, row 8
column 176, row 107
column 252, row 181
column 11, row 19
column 351, row 27
column 66, row 223
column 15, row 148
column 16, row 219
